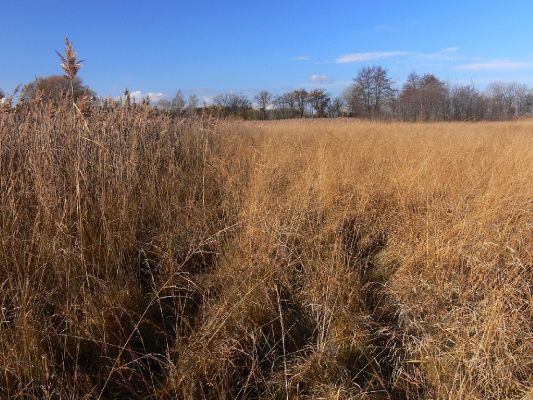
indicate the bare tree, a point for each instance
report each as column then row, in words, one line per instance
column 499, row 101
column 263, row 100
column 285, row 105
column 424, row 98
column 54, row 87
column 363, row 89
column 353, row 101
column 239, row 105
column 519, row 98
column 382, row 89
column 192, row 105
column 300, row 99
column 467, row 103
column 410, row 98
column 506, row 100
column 290, row 100
column 222, row 102
column 335, row 107
column 370, row 92
column 165, row 105
column 319, row 101
column 232, row 104
column 178, row 103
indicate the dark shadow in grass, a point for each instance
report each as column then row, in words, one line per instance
column 384, row 370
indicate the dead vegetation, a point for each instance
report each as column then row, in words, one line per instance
column 144, row 256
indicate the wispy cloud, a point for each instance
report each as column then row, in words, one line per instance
column 301, row 58
column 447, row 54
column 385, row 28
column 361, row 57
column 321, row 79
column 495, row 65
column 450, row 50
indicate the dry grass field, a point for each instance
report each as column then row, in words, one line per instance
column 144, row 256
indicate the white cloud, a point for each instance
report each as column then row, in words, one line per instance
column 360, row 57
column 495, row 65
column 301, row 58
column 138, row 96
column 321, row 79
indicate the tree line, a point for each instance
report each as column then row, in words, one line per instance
column 371, row 95
column 265, row 105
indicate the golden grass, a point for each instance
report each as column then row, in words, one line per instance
column 147, row 257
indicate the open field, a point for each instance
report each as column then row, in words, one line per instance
column 142, row 256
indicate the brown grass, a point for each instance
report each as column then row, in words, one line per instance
column 143, row 256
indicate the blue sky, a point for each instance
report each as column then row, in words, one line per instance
column 207, row 47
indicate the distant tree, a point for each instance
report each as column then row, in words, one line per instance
column 301, row 97
column 239, row 105
column 165, row 105
column 467, row 103
column 424, row 98
column 520, row 95
column 335, row 107
column 222, row 101
column 319, row 101
column 54, row 88
column 285, row 105
column 370, row 92
column 192, row 105
column 178, row 103
column 498, row 101
column 289, row 99
column 354, row 101
column 515, row 94
column 232, row 104
column 382, row 88
column 263, row 100
column 278, row 102
column 506, row 100
column 410, row 98
column 2, row 94
column 527, row 105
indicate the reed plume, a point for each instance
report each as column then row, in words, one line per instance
column 70, row 62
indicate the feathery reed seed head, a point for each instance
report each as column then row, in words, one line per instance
column 70, row 63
